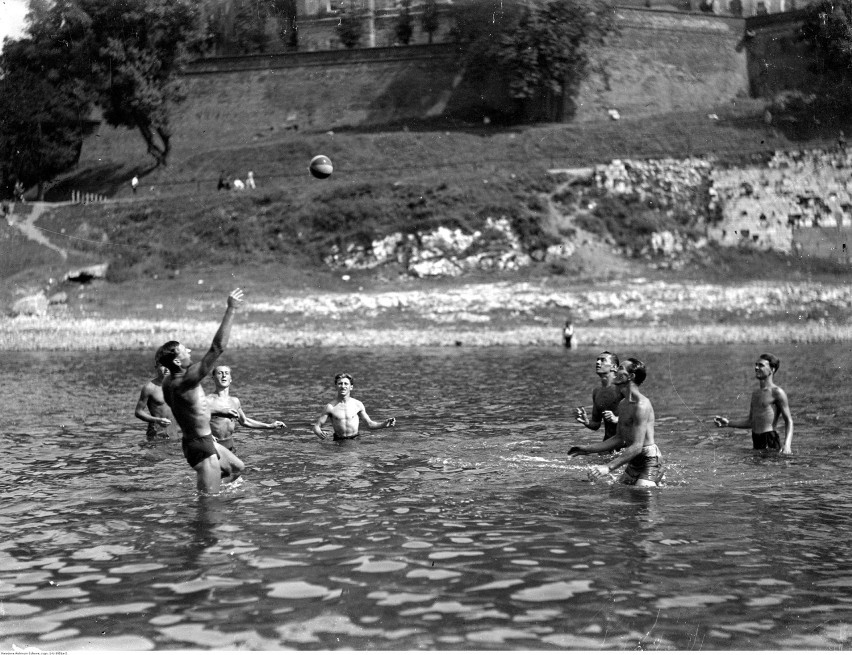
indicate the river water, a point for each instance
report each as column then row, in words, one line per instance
column 465, row 527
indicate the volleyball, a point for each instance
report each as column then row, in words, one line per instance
column 321, row 167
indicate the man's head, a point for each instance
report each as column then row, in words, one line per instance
column 767, row 364
column 174, row 356
column 221, row 376
column 631, row 370
column 606, row 362
column 343, row 382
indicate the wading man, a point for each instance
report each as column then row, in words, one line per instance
column 183, row 393
column 768, row 404
column 634, row 433
column 605, row 398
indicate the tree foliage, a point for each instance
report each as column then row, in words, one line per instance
column 542, row 47
column 125, row 54
column 429, row 20
column 403, row 28
column 827, row 28
column 350, row 27
column 42, row 115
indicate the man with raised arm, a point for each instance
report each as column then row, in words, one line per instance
column 346, row 413
column 226, row 410
column 152, row 408
column 605, row 398
column 183, row 393
column 635, row 433
column 768, row 404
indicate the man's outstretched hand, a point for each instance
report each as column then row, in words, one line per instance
column 235, row 299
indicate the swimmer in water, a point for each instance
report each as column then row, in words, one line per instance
column 768, row 404
column 634, row 433
column 605, row 398
column 346, row 412
column 184, row 395
column 227, row 410
column 152, row 408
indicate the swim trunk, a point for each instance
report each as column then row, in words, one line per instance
column 337, row 437
column 766, row 440
column 647, row 465
column 197, row 449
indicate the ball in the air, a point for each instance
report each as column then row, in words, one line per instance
column 321, row 167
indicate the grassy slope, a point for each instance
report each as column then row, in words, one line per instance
column 385, row 181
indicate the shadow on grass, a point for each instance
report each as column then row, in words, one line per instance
column 106, row 179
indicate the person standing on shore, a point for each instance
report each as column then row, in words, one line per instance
column 226, row 410
column 568, row 333
column 635, row 433
column 183, row 394
column 768, row 404
column 605, row 398
column 152, row 408
column 345, row 413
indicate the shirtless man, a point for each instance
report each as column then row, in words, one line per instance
column 768, row 403
column 151, row 406
column 183, row 393
column 345, row 413
column 226, row 410
column 634, row 433
column 605, row 398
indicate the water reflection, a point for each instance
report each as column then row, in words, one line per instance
column 466, row 527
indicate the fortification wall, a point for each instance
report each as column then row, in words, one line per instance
column 660, row 61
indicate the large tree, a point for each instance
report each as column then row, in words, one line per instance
column 128, row 53
column 42, row 115
column 541, row 47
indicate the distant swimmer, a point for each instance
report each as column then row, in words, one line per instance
column 345, row 413
column 183, row 393
column 226, row 410
column 634, row 433
column 605, row 398
column 768, row 404
column 152, row 408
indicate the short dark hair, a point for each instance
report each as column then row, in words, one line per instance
column 774, row 362
column 167, row 353
column 340, row 376
column 612, row 357
column 637, row 367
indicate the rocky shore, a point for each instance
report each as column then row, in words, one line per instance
column 499, row 314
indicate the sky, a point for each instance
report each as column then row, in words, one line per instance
column 12, row 14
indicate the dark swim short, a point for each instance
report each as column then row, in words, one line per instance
column 198, row 449
column 647, row 465
column 766, row 440
column 337, row 437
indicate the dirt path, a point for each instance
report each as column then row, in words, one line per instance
column 29, row 229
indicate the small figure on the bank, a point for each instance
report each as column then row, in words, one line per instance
column 635, row 433
column 227, row 410
column 18, row 191
column 134, row 184
column 345, row 413
column 152, row 408
column 184, row 395
column 223, row 182
column 568, row 333
column 841, row 141
column 605, row 398
column 250, row 180
column 768, row 404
